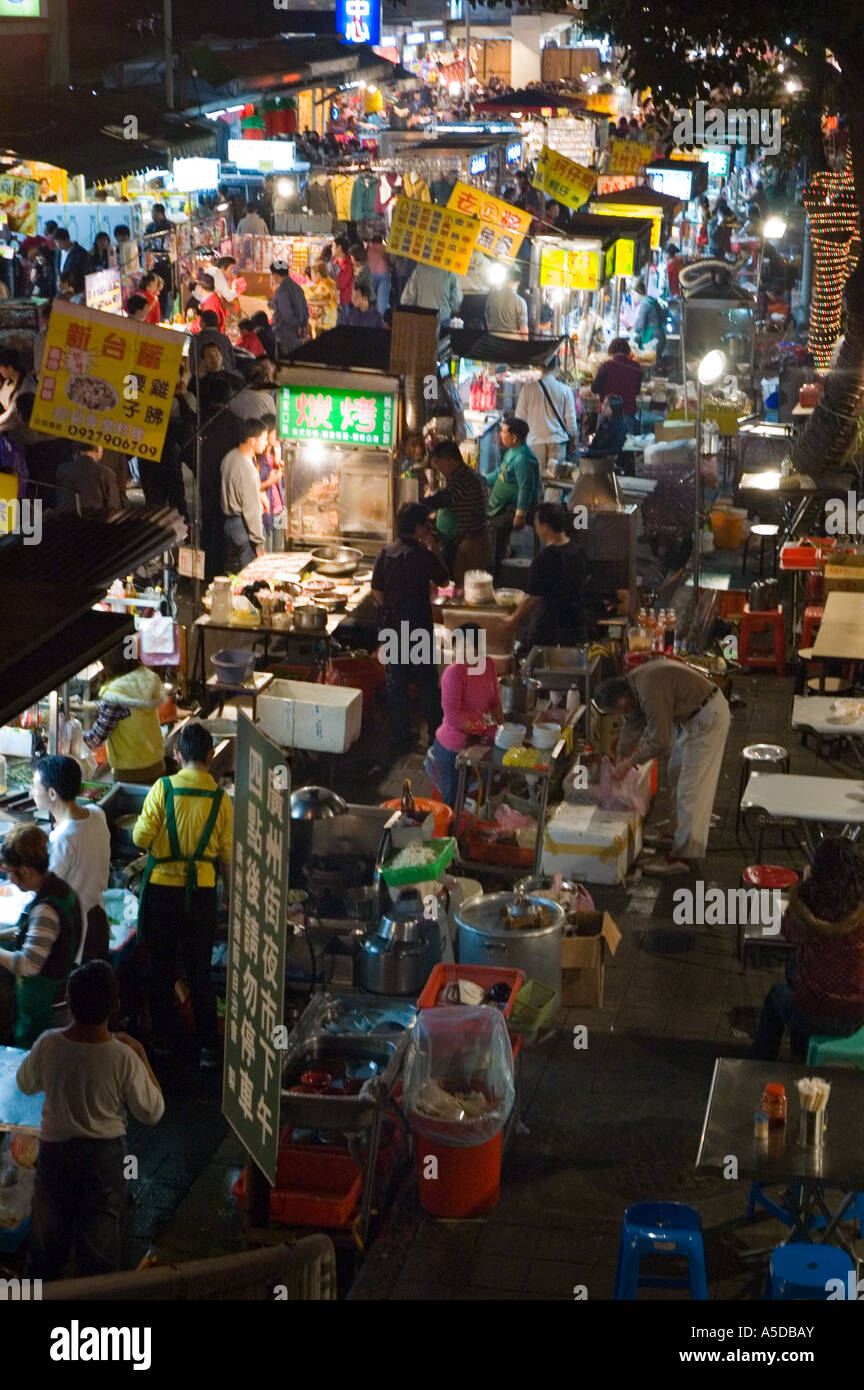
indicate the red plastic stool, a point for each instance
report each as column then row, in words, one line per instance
column 815, row 590
column 812, row 619
column 770, row 877
column 760, row 622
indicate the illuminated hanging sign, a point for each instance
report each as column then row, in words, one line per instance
column 412, row 40
column 678, row 183
column 570, row 270
column 192, row 174
column 19, row 9
column 513, row 153
column 359, row 21
column 642, row 210
column 267, row 156
column 436, row 35
column 337, row 417
column 479, row 164
column 625, row 257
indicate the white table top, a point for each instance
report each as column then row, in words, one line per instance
column 834, row 799
column 841, row 632
column 815, row 712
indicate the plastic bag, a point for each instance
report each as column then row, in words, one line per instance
column 619, row 796
column 458, row 1086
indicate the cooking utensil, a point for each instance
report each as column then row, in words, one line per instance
column 485, row 940
column 545, row 735
column 510, row 735
column 337, row 559
column 233, row 667
column 309, row 617
column 764, row 595
column 518, row 694
column 316, row 803
column 508, row 598
column 393, row 955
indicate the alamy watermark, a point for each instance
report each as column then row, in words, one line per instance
column 721, row 907
column 844, row 516
column 22, row 519
column 709, row 125
column 417, row 646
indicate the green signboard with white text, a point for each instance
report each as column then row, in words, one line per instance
column 19, row 9
column 337, row 416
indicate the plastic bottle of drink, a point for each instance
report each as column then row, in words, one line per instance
column 652, row 619
column 657, row 641
column 642, row 618
column 669, row 635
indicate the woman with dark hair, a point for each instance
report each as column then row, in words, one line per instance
column 824, row 993
column 101, row 253
column 41, row 281
column 620, row 375
column 551, row 613
column 610, row 434
column 471, row 700
column 150, row 285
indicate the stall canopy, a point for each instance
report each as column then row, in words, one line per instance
column 286, row 65
column 513, row 352
column 49, row 630
column 534, row 99
column 86, row 133
column 346, row 347
column 649, row 198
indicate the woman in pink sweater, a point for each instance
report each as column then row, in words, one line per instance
column 471, row 702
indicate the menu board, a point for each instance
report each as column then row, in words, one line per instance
column 343, row 417
column 19, row 199
column 504, row 226
column 436, row 236
column 629, row 156
column 569, row 270
column 574, row 137
column 107, row 380
column 563, row 179
column 103, row 290
column 257, row 945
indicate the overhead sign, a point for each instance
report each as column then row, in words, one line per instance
column 103, row 290
column 617, row 183
column 624, row 209
column 19, row 199
column 191, row 174
column 340, row 417
column 267, row 156
column 564, row 269
column 107, row 380
column 563, row 179
column 359, row 21
column 436, row 236
column 513, row 152
column 629, row 156
column 257, row 946
column 19, row 9
column 503, row 225
column 678, row 183
column 478, row 164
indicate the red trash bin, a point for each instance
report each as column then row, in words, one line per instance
column 468, row 1180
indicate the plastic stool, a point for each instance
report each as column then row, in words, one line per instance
column 660, row 1228
column 758, row 622
column 831, row 685
column 810, row 626
column 763, row 531
column 801, row 1270
column 759, row 757
column 815, row 589
column 848, row 1051
column 769, row 877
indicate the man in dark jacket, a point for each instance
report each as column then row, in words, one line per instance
column 88, row 479
column 69, row 256
column 290, row 311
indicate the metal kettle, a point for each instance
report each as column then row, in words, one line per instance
column 392, row 956
column 764, row 595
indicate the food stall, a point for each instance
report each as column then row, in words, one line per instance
column 488, row 373
column 581, row 273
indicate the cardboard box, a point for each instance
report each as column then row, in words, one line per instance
column 583, row 959
column 671, row 431
column 845, row 579
column 301, row 714
column 604, row 730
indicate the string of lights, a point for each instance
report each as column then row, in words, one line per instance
column 829, row 200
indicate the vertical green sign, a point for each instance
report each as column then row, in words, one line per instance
column 257, row 945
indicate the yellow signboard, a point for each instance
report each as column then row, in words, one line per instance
column 629, row 156
column 503, row 225
column 107, row 380
column 563, row 179
column 569, row 270
column 436, row 236
column 625, row 257
column 643, row 210
column 19, row 199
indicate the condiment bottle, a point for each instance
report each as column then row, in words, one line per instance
column 408, row 807
column 760, row 1126
column 774, row 1104
column 669, row 634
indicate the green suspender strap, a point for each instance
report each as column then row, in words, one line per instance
column 177, row 856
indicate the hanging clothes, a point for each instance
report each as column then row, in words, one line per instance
column 342, row 186
column 319, row 197
column 385, row 193
column 415, row 187
column 363, row 196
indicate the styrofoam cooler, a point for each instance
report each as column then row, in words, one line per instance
column 320, row 718
column 590, row 845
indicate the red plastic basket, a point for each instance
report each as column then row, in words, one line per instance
column 486, row 851
column 484, row 975
column 314, row 1187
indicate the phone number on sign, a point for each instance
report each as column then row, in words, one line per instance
column 113, row 441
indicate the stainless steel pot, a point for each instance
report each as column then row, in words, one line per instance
column 484, row 939
column 309, row 617
column 393, row 955
column 764, row 594
column 336, row 559
column 518, row 694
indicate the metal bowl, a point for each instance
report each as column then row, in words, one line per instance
column 316, row 803
column 336, row 559
column 309, row 617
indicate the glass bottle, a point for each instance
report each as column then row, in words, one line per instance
column 408, row 807
column 774, row 1104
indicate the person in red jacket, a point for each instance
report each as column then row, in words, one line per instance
column 150, row 285
column 824, row 993
column 620, row 376
column 344, row 274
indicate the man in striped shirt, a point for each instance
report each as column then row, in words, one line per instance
column 47, row 936
column 462, row 523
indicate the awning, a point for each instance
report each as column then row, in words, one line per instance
column 513, row 352
column 535, row 99
column 347, row 347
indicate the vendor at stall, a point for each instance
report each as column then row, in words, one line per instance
column 461, row 523
column 672, row 709
column 471, row 699
column 515, row 488
column 507, row 311
column 610, row 435
column 187, row 825
column 649, row 327
column 80, row 846
column 47, row 936
column 620, row 375
column 551, row 613
column 241, row 496
column 127, row 721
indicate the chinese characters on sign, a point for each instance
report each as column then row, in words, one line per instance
column 563, row 179
column 19, row 199
column 345, row 417
column 359, row 21
column 570, row 270
column 254, row 1004
column 436, row 236
column 503, row 225
column 107, row 380
column 103, row 290
column 628, row 156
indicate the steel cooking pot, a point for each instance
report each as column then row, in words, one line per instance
column 336, row 559
column 764, row 594
column 486, row 939
column 518, row 694
column 309, row 617
column 393, row 955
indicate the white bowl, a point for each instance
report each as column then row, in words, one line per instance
column 545, row 736
column 510, row 735
column 508, row 598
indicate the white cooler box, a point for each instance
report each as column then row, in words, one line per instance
column 590, row 845
column 320, row 718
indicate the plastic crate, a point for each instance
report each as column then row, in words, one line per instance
column 445, row 851
column 484, row 975
column 533, row 1006
column 489, row 852
column 314, row 1187
column 12, row 1238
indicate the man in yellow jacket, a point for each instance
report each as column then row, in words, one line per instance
column 187, row 824
column 128, row 721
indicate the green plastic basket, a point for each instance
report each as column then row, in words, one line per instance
column 445, row 851
column 534, row 1004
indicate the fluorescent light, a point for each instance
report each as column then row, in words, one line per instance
column 436, row 35
column 412, row 40
column 712, row 367
column 774, row 229
column 497, row 274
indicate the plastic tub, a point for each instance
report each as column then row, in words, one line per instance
column 314, row 1187
column 445, row 850
column 443, row 814
column 533, row 1006
column 729, row 533
column 485, row 975
column 461, row 1182
column 232, row 666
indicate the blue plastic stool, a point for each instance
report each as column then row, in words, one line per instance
column 855, row 1213
column 802, row 1271
column 759, row 1198
column 822, row 1050
column 660, row 1228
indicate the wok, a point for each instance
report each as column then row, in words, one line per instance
column 336, row 559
